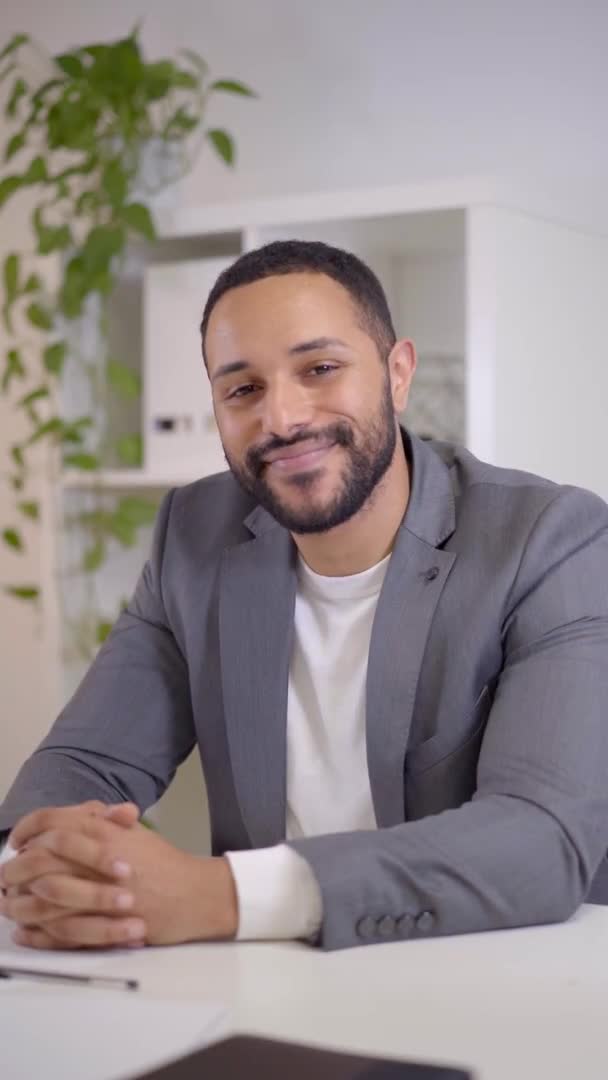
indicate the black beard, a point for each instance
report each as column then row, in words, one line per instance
column 364, row 468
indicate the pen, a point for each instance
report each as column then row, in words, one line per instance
column 108, row 981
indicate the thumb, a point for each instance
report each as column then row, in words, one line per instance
column 125, row 814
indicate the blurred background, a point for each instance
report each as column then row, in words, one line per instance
column 461, row 147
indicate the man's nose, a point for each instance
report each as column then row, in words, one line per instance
column 286, row 407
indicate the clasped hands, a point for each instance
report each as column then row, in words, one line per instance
column 92, row 876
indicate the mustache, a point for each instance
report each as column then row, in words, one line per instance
column 339, row 433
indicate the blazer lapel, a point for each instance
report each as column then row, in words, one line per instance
column 410, row 593
column 256, row 614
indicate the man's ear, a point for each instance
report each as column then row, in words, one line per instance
column 402, row 362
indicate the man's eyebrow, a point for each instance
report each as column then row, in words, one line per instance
column 296, row 350
column 229, row 369
column 317, row 343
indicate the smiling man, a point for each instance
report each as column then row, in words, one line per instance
column 391, row 655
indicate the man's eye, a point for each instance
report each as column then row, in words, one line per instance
column 242, row 391
column 323, row 369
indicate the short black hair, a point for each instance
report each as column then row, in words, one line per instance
column 312, row 256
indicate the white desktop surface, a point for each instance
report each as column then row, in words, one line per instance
column 529, row 1004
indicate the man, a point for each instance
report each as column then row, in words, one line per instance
column 392, row 656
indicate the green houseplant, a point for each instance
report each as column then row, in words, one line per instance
column 97, row 134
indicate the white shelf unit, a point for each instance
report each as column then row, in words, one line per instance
column 510, row 302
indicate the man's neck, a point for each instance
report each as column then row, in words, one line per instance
column 369, row 536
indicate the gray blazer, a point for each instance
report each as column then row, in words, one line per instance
column 487, row 699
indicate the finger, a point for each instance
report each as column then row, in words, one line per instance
column 50, row 817
column 33, row 863
column 35, row 938
column 96, row 930
column 125, row 814
column 28, row 910
column 67, row 891
column 89, row 851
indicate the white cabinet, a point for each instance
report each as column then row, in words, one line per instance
column 179, row 430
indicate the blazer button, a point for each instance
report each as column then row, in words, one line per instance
column 425, row 922
column 366, row 927
column 387, row 926
column 432, row 573
column 405, row 925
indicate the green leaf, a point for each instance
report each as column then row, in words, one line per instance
column 123, row 380
column 196, row 59
column 54, row 426
column 14, row 145
column 100, row 247
column 122, row 530
column 138, row 218
column 33, row 284
column 12, row 539
column 35, row 395
column 19, row 89
column 30, row 510
column 50, row 237
column 73, row 431
column 54, row 356
column 23, row 592
column 185, row 80
column 181, row 121
column 86, row 462
column 74, row 288
column 94, row 557
column 71, row 65
column 130, row 450
column 137, row 511
column 17, row 456
column 157, row 79
column 17, row 483
column 39, row 317
column 14, row 369
column 36, row 173
column 7, row 71
column 14, row 43
column 8, row 187
column 223, row 144
column 11, row 277
column 231, row 86
column 114, row 181
column 103, row 630
column 86, row 202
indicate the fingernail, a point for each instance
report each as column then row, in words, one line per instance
column 121, row 869
column 136, row 931
column 124, row 901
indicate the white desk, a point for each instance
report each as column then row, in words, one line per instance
column 527, row 1004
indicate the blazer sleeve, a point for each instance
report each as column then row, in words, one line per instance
column 129, row 724
column 525, row 848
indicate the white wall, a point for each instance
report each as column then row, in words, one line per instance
column 354, row 94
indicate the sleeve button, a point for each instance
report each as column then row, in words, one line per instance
column 366, row 927
column 405, row 925
column 425, row 922
column 387, row 926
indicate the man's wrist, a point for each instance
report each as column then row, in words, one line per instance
column 214, row 903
